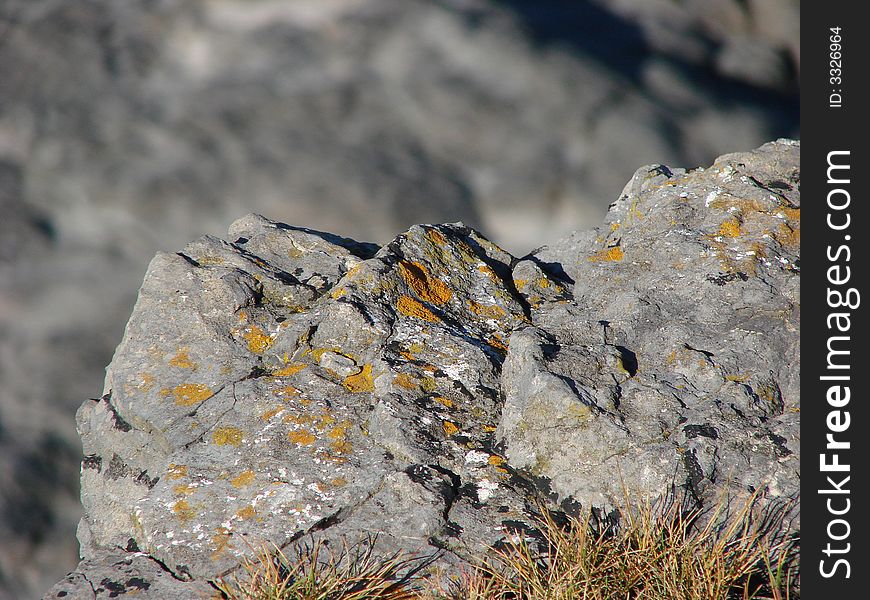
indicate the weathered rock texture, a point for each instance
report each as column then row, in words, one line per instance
column 285, row 382
column 136, row 125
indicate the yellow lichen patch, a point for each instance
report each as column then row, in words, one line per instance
column 248, row 512
column 487, row 270
column 436, row 237
column 223, row 436
column 416, row 348
column 271, row 413
column 614, row 226
column 614, row 254
column 490, row 311
column 258, row 340
column 188, row 394
column 739, row 205
column 338, row 292
column 489, row 428
column 544, row 282
column 406, row 381
column 145, row 383
column 428, row 288
column 330, row 456
column 406, row 355
column 447, row 402
column 361, row 382
column 495, row 460
column 520, row 283
column 183, row 489
column 302, row 437
column 497, row 343
column 450, row 428
column 428, row 384
column 182, row 359
column 730, row 228
column 242, row 479
column 791, row 214
column 221, row 541
column 183, row 511
column 210, row 260
column 176, row 471
column 341, row 446
column 737, row 378
column 288, row 391
column 339, row 432
column 289, row 370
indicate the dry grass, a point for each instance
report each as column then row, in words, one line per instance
column 654, row 553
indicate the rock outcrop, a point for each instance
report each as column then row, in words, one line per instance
column 128, row 127
column 286, row 383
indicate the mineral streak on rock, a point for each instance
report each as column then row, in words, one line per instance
column 433, row 390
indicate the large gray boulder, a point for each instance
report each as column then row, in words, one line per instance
column 128, row 127
column 285, row 384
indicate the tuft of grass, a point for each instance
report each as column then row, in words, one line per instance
column 354, row 573
column 652, row 552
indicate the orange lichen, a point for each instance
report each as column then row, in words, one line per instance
column 248, row 512
column 361, row 382
column 487, row 270
column 450, row 428
column 436, row 237
column 406, row 381
column 182, row 359
column 730, row 228
column 188, row 394
column 223, row 436
column 183, row 489
column 302, row 437
column 287, row 391
column 443, row 401
column 738, row 205
column 288, row 370
column 520, row 283
column 146, row 382
column 490, row 311
column 614, row 254
column 271, row 413
column 338, row 482
column 258, row 340
column 496, row 460
column 428, row 288
column 221, row 541
column 242, row 479
column 410, row 307
column 176, row 471
column 791, row 214
column 497, row 343
column 183, row 511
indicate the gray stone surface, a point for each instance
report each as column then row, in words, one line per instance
column 132, row 127
column 286, row 385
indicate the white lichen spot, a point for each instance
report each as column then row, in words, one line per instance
column 476, row 456
column 485, row 488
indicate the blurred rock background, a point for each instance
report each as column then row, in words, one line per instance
column 136, row 126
